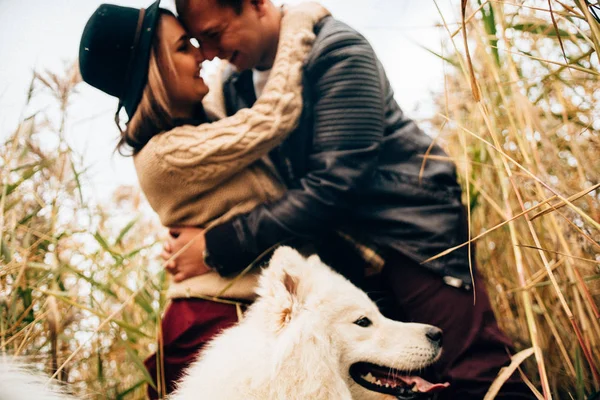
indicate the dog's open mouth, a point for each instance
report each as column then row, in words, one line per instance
column 393, row 382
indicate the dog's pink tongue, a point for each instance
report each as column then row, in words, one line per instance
column 424, row 386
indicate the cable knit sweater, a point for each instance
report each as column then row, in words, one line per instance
column 202, row 175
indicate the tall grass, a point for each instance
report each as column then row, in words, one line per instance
column 79, row 282
column 521, row 118
column 81, row 288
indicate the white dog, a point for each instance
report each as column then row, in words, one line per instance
column 311, row 334
column 19, row 383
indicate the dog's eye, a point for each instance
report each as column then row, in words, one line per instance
column 363, row 322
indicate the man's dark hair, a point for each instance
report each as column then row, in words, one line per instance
column 236, row 5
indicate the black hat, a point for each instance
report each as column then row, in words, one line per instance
column 115, row 51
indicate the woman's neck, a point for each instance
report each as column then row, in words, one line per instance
column 194, row 116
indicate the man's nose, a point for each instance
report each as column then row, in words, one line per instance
column 209, row 51
column 199, row 55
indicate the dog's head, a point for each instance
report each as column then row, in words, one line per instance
column 304, row 300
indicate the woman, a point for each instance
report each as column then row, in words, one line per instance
column 193, row 173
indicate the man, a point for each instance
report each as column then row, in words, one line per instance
column 355, row 164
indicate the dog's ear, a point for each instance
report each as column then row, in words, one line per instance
column 314, row 260
column 283, row 273
column 279, row 285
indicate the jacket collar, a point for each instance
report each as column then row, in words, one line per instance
column 238, row 90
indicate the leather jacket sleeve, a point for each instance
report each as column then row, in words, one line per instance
column 342, row 77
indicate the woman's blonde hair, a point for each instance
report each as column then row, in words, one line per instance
column 153, row 114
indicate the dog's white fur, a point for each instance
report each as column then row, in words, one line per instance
column 299, row 339
column 296, row 342
column 17, row 382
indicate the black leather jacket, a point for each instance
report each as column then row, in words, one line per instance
column 355, row 163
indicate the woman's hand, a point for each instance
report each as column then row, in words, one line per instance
column 190, row 262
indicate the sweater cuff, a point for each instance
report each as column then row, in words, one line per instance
column 224, row 253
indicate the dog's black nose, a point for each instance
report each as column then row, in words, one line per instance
column 435, row 335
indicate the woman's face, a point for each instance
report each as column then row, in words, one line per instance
column 180, row 64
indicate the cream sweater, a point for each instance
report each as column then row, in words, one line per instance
column 201, row 175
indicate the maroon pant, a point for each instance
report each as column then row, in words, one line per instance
column 474, row 347
column 188, row 324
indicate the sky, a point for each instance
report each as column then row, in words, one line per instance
column 44, row 35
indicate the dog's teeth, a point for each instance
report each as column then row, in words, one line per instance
column 370, row 376
column 371, row 379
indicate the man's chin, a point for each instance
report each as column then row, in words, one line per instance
column 241, row 63
column 237, row 62
column 241, row 67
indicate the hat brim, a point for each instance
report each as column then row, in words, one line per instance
column 138, row 76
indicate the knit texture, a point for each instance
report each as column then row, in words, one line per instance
column 212, row 285
column 201, row 175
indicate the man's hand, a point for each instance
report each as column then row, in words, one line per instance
column 190, row 262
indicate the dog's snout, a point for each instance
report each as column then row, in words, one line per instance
column 435, row 335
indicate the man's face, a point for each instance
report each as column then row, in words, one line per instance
column 239, row 38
